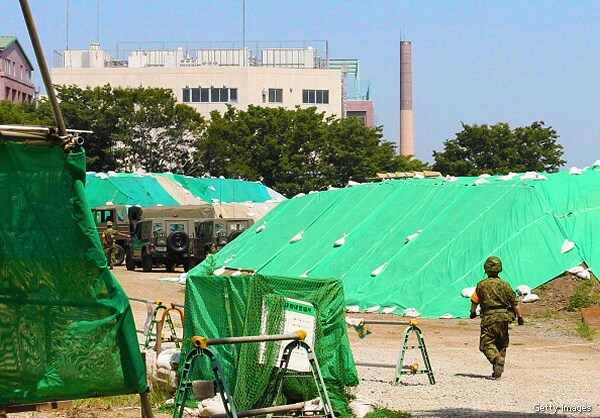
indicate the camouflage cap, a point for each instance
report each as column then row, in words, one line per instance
column 109, row 223
column 492, row 265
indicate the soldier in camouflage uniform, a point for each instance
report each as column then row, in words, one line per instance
column 498, row 308
column 109, row 243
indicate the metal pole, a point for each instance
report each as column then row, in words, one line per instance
column 146, row 406
column 300, row 335
column 39, row 54
column 244, row 30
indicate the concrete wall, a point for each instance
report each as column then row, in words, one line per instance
column 250, row 83
column 365, row 108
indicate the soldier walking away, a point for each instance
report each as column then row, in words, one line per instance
column 109, row 243
column 498, row 308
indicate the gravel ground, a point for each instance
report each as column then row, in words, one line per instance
column 548, row 365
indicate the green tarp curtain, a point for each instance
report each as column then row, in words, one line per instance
column 523, row 221
column 66, row 327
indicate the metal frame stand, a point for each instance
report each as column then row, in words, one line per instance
column 413, row 369
column 159, row 325
column 201, row 349
column 401, row 369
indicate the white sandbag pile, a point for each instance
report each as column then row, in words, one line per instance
column 523, row 289
column 164, row 370
column 580, row 272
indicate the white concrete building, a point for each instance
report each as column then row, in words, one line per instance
column 208, row 79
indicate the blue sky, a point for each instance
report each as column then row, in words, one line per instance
column 473, row 61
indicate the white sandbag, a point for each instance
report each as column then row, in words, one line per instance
column 297, row 237
column 353, row 308
column 567, row 246
column 523, row 289
column 411, row 312
column 450, row 178
column 262, row 226
column 484, row 175
column 373, row 308
column 467, row 292
column 574, row 171
column 584, row 274
column 576, row 269
column 596, row 163
column 378, row 269
column 314, row 405
column 169, row 359
column 478, row 309
column 479, row 182
column 212, row 406
column 354, row 322
column 219, row 271
column 389, row 310
column 447, row 316
column 532, row 297
column 340, row 241
column 352, row 183
column 361, row 407
column 413, row 236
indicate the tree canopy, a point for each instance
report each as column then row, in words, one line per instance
column 496, row 149
column 295, row 150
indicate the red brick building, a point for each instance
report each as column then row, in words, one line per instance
column 16, row 84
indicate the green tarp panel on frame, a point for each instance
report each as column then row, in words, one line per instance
column 66, row 327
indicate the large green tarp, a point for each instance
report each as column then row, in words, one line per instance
column 146, row 190
column 218, row 307
column 523, row 221
column 222, row 190
column 66, row 327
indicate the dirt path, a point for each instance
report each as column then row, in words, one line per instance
column 548, row 365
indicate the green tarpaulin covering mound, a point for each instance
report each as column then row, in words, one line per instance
column 66, row 327
column 417, row 243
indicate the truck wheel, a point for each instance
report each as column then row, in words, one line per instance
column 120, row 256
column 146, row 262
column 129, row 263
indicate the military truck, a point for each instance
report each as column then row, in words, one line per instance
column 125, row 219
column 214, row 233
column 167, row 241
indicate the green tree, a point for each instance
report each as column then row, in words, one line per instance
column 156, row 133
column 295, row 150
column 22, row 114
column 497, row 149
column 100, row 110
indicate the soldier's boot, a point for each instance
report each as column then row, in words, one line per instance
column 498, row 366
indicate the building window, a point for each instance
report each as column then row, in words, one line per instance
column 315, row 96
column 7, row 66
column 275, row 95
column 28, row 76
column 362, row 115
column 209, row 95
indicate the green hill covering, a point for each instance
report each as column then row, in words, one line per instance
column 523, row 221
column 149, row 190
column 66, row 327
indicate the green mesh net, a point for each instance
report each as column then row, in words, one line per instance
column 218, row 307
column 66, row 327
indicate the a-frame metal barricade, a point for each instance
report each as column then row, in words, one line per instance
column 201, row 348
column 400, row 367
